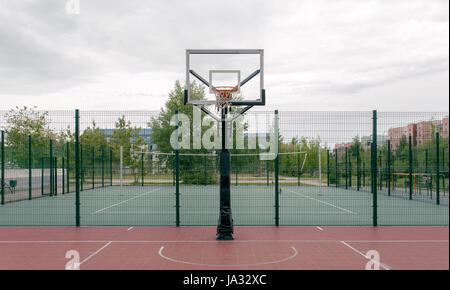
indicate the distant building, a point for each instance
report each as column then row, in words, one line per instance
column 423, row 133
column 340, row 148
column 145, row 133
column 367, row 140
column 365, row 143
column 420, row 132
column 396, row 134
column 445, row 128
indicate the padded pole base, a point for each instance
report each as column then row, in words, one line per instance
column 225, row 227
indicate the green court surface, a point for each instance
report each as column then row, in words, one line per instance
column 199, row 205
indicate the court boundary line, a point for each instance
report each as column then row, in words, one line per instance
column 124, row 201
column 217, row 242
column 215, row 212
column 160, row 253
column 320, row 201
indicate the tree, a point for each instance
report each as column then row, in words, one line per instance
column 93, row 137
column 127, row 137
column 192, row 168
column 353, row 151
column 21, row 123
column 161, row 128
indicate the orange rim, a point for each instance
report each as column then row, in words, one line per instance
column 225, row 91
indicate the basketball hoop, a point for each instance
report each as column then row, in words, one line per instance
column 224, row 96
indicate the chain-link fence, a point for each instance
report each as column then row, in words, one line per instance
column 329, row 168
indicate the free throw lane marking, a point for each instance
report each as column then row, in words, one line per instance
column 160, row 252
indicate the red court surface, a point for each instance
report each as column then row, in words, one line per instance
column 254, row 248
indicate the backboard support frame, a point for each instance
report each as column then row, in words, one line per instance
column 258, row 102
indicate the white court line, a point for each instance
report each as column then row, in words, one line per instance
column 95, row 253
column 209, row 213
column 130, row 228
column 386, row 267
column 123, row 201
column 312, row 198
column 319, row 228
column 160, row 252
column 215, row 241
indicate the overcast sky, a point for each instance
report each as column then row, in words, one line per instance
column 319, row 55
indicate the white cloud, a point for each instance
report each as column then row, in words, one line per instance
column 127, row 55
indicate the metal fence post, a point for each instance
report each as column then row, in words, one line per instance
column 328, row 168
column 336, row 168
column 173, row 170
column 42, row 175
column 63, row 169
column 380, row 170
column 30, row 166
column 410, row 167
column 81, row 167
column 77, row 168
column 51, row 169
column 55, row 170
column 346, row 168
column 110, row 168
column 68, row 167
column 443, row 168
column 364, row 174
column 121, row 166
column 389, row 166
column 374, row 169
column 320, row 167
column 204, row 169
column 93, row 167
column 277, row 201
column 437, row 169
column 142, row 169
column 358, row 168
column 298, row 169
column 3, row 168
column 350, row 170
column 177, row 176
column 103, row 166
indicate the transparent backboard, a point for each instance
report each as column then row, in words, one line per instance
column 241, row 69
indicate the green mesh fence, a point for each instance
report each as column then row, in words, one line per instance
column 328, row 170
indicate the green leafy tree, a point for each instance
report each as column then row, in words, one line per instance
column 21, row 123
column 93, row 136
column 192, row 168
column 353, row 151
column 126, row 136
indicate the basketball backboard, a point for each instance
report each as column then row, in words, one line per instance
column 240, row 69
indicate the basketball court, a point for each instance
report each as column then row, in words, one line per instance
column 255, row 248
